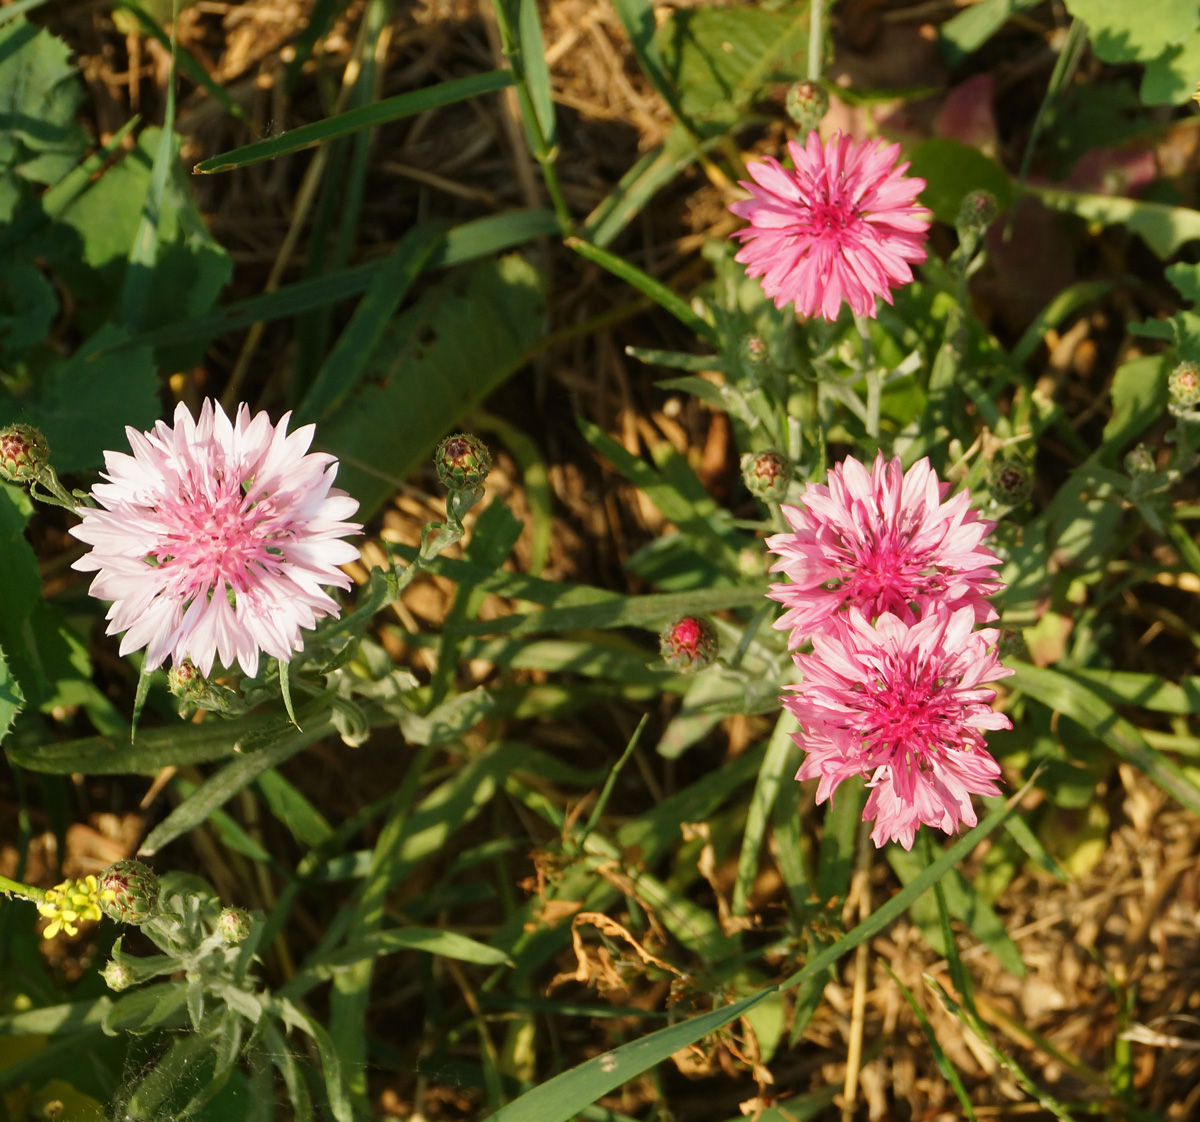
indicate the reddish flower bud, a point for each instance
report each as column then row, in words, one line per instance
column 1184, row 384
column 23, row 453
column 688, row 644
column 807, row 103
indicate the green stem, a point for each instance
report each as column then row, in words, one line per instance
column 814, row 40
column 871, row 371
column 25, row 891
column 542, row 152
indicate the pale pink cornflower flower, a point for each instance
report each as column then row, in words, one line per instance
column 842, row 226
column 904, row 705
column 213, row 539
column 880, row 541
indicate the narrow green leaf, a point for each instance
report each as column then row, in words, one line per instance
column 562, row 1097
column 153, row 750
column 649, row 612
column 637, row 18
column 306, row 823
column 648, row 286
column 143, row 255
column 836, row 859
column 184, row 59
column 232, row 778
column 1073, row 699
column 537, row 73
column 345, row 365
column 365, row 117
column 448, row 944
column 771, row 776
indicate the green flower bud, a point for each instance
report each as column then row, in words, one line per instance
column 233, row 925
column 753, row 351
column 1141, row 461
column 767, row 474
column 1010, row 481
column 118, row 976
column 24, row 453
column 977, row 212
column 185, row 680
column 129, row 892
column 1184, row 384
column 462, row 461
column 688, row 644
column 807, row 103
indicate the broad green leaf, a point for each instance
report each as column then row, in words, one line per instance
column 1139, row 397
column 435, row 363
column 189, row 267
column 1125, row 32
column 90, row 398
column 1171, row 78
column 951, row 169
column 720, row 59
column 365, row 117
column 1146, row 691
column 1165, row 229
column 562, row 1097
column 39, row 94
column 966, row 32
column 1075, row 700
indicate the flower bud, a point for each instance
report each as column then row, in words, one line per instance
column 1141, row 461
column 977, row 212
column 129, row 892
column 753, row 351
column 462, row 461
column 1010, row 481
column 1184, row 384
column 807, row 103
column 688, row 644
column 185, row 680
column 118, row 976
column 24, row 453
column 767, row 474
column 233, row 925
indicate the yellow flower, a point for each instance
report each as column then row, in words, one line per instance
column 71, row 902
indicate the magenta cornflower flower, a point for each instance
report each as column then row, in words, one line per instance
column 904, row 705
column 844, row 225
column 213, row 539
column 880, row 541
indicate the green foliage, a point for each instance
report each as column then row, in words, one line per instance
column 951, row 170
column 434, row 362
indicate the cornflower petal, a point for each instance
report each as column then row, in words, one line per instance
column 214, row 537
column 888, row 701
column 841, row 227
column 880, row 541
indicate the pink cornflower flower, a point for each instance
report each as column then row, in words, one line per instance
column 842, row 226
column 904, row 705
column 213, row 539
column 880, row 541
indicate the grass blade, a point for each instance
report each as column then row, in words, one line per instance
column 564, row 1096
column 365, row 117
